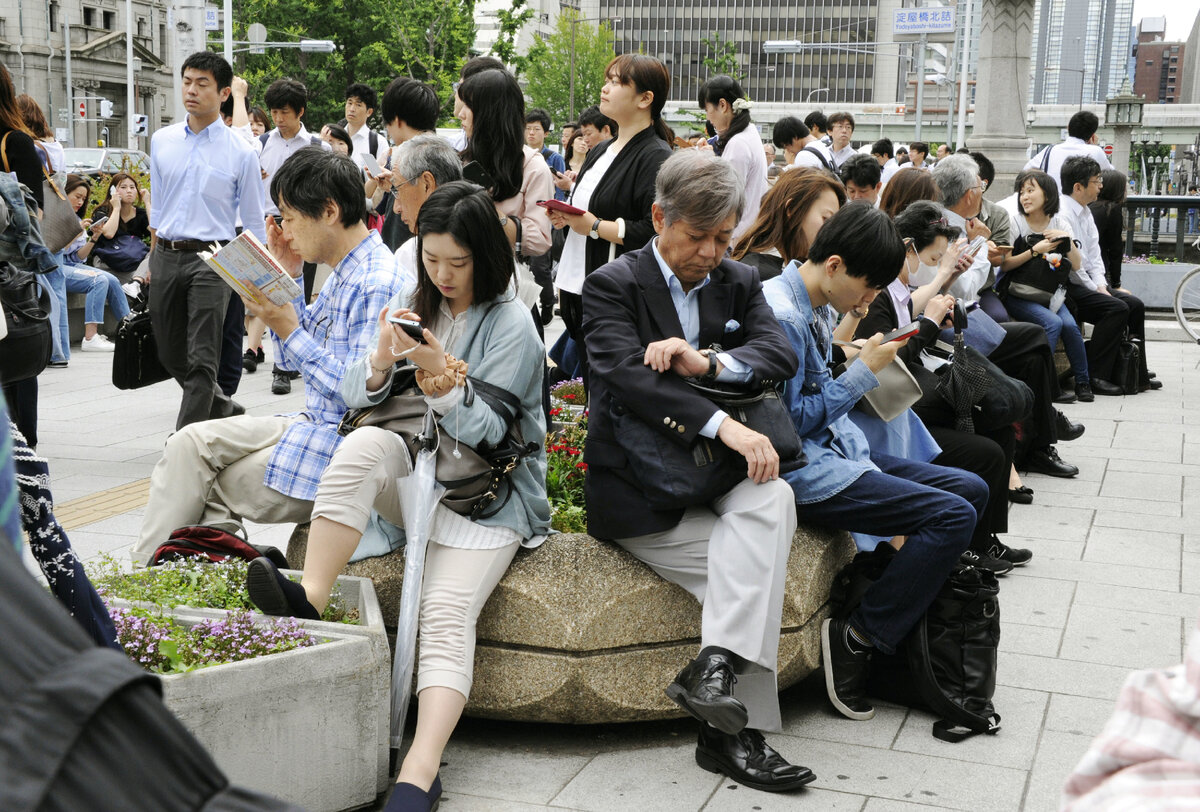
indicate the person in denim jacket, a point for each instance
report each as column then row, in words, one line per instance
column 856, row 254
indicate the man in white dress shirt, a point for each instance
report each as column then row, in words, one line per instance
column 361, row 101
column 841, row 130
column 1081, row 140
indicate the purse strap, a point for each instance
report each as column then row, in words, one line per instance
column 4, row 150
column 45, row 171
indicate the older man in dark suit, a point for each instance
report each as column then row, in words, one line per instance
column 672, row 310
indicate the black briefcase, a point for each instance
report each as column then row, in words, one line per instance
column 135, row 357
column 1127, row 365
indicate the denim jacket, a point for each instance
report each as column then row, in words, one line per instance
column 21, row 241
column 837, row 451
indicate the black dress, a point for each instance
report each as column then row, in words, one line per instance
column 1110, row 223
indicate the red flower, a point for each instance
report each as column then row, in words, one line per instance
column 568, row 397
column 581, row 466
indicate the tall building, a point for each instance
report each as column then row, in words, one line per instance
column 1190, row 86
column 1160, row 65
column 487, row 23
column 1081, row 50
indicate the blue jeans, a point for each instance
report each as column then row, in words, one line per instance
column 100, row 286
column 1057, row 324
column 934, row 506
column 56, row 282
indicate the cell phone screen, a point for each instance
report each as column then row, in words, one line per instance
column 411, row 328
column 372, row 165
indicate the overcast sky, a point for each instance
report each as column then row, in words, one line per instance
column 1180, row 15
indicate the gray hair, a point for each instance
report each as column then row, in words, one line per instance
column 427, row 153
column 700, row 189
column 955, row 175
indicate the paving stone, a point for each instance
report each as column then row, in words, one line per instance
column 1115, row 517
column 1189, row 580
column 730, row 797
column 1153, row 487
column 487, row 771
column 1078, row 715
column 1191, row 543
column 807, row 712
column 1117, row 574
column 1115, row 546
column 1044, row 521
column 457, row 802
column 1150, row 601
column 888, row 805
column 1057, row 755
column 1020, row 638
column 1119, row 636
column 1167, row 453
column 1075, row 485
column 1035, row 601
column 1021, row 713
column 1136, row 434
column 1055, row 675
column 662, row 778
column 1153, row 467
column 1045, row 548
column 1129, row 504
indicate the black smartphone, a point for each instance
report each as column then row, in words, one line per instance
column 278, row 219
column 475, row 173
column 413, row 329
column 555, row 172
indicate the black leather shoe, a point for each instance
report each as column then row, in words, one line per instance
column 704, row 688
column 1066, row 397
column 748, row 759
column 1021, row 495
column 249, row 361
column 1152, row 383
column 274, row 594
column 281, row 383
column 1103, row 387
column 1083, row 391
column 1046, row 461
column 845, row 671
column 1067, row 430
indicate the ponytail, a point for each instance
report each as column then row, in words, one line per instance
column 663, row 131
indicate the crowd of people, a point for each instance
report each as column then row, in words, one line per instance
column 678, row 265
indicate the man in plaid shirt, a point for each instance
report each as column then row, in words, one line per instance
column 266, row 469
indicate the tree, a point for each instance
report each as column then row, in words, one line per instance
column 548, row 73
column 512, row 20
column 722, row 57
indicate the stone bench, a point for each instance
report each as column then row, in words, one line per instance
column 75, row 308
column 580, row 632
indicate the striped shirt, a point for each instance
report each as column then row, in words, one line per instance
column 334, row 332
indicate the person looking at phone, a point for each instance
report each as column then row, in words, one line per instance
column 419, row 166
column 266, row 469
column 473, row 323
column 615, row 187
column 856, row 254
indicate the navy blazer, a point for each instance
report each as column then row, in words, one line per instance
column 626, row 307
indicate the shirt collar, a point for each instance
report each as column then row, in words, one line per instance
column 791, row 274
column 207, row 132
column 1071, row 205
column 668, row 275
column 300, row 133
column 358, row 254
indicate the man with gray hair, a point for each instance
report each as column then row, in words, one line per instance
column 419, row 166
column 674, row 310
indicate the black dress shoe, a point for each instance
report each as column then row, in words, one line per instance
column 748, row 759
column 1083, row 391
column 704, row 688
column 1066, row 397
column 1046, row 461
column 1021, row 495
column 408, row 797
column 274, row 594
column 846, row 671
column 1103, row 387
column 1067, row 430
column 1152, row 383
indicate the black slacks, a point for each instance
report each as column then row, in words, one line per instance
column 989, row 457
column 1109, row 316
column 229, row 373
column 1025, row 354
column 571, row 307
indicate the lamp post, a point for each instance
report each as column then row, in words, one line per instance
column 1123, row 112
column 575, row 21
column 812, row 93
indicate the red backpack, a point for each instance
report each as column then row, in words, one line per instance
column 214, row 544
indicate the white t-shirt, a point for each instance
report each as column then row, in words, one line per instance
column 406, row 258
column 805, row 157
column 746, row 154
column 574, row 255
column 1059, row 153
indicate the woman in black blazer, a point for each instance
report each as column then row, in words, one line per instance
column 1108, row 211
column 615, row 187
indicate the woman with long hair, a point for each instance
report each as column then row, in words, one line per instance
column 53, row 156
column 473, row 326
column 791, row 214
column 728, row 111
column 905, row 187
column 615, row 187
column 1109, row 213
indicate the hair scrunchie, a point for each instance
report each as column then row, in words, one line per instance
column 455, row 374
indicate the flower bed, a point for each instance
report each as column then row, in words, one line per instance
column 565, row 470
column 569, row 398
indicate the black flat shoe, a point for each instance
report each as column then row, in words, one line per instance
column 1066, row 397
column 1021, row 495
column 1103, row 387
column 704, row 688
column 408, row 797
column 748, row 759
column 274, row 594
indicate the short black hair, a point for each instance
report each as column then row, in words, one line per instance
column 227, row 106
column 1049, row 188
column 540, row 116
column 840, row 117
column 415, row 103
column 861, row 170
column 918, row 146
column 787, row 130
column 923, row 221
column 1083, row 125
column 342, row 134
column 313, row 177
column 987, row 170
column 287, row 93
column 816, row 121
column 1078, row 169
column 883, row 147
column 479, row 64
column 210, row 62
column 364, row 93
column 867, row 241
column 593, row 116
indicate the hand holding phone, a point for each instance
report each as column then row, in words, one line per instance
column 901, row 333
column 97, row 223
column 372, row 165
column 412, row 328
column 559, row 206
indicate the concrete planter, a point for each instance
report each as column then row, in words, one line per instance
column 304, row 725
column 1154, row 284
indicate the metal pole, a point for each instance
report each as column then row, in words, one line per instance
column 965, row 59
column 130, row 106
column 66, row 12
column 574, row 23
column 920, row 84
column 229, row 31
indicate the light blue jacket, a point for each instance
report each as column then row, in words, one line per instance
column 21, row 241
column 501, row 347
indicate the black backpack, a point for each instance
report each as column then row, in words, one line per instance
column 820, row 157
column 25, row 350
column 947, row 663
column 212, row 544
column 1127, row 365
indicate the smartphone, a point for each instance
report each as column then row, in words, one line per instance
column 901, row 333
column 372, row 165
column 976, row 244
column 555, row 172
column 413, row 329
column 475, row 173
column 558, row 205
column 100, row 222
column 278, row 218
column 1004, row 248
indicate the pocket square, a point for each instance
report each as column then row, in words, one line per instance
column 732, row 325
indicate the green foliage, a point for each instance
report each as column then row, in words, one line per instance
column 375, row 42
column 548, row 73
column 722, row 57
column 565, row 471
column 512, row 20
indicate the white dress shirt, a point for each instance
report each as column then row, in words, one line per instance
column 1083, row 229
column 842, row 155
column 278, row 149
column 1059, row 153
column 810, row 160
column 362, row 143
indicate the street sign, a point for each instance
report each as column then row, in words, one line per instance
column 1108, row 150
column 83, row 110
column 212, row 20
column 62, row 134
column 915, row 21
column 64, row 114
column 256, row 34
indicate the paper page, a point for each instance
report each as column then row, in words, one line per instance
column 245, row 261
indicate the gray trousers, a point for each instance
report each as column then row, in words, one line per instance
column 732, row 556
column 187, row 310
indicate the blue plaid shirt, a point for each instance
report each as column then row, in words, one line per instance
column 334, row 332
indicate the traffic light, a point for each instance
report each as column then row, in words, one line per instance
column 139, row 125
column 106, row 108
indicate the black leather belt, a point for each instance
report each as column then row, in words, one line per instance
column 189, row 245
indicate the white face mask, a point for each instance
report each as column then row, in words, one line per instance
column 923, row 275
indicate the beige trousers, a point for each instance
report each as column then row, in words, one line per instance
column 212, row 472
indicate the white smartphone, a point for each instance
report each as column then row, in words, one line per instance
column 372, row 165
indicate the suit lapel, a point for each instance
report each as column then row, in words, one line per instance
column 714, row 308
column 658, row 298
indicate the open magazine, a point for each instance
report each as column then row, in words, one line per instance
column 245, row 261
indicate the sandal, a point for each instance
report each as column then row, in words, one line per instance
column 1021, row 495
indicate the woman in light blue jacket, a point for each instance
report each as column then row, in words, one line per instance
column 471, row 318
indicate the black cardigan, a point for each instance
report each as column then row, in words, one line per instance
column 1110, row 224
column 24, row 161
column 626, row 191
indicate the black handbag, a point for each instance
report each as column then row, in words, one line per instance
column 1127, row 365
column 674, row 475
column 135, row 353
column 983, row 397
column 474, row 477
column 25, row 350
column 1038, row 278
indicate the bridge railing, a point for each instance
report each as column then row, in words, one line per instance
column 1162, row 219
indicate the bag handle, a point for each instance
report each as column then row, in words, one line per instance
column 948, row 731
column 46, row 173
column 4, row 150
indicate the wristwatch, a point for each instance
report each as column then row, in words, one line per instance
column 711, row 375
column 595, row 232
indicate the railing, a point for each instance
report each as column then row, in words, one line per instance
column 1146, row 213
